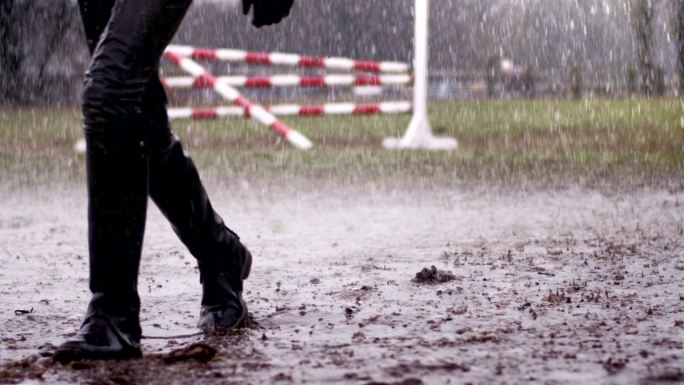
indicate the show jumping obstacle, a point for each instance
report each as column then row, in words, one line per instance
column 418, row 135
column 185, row 56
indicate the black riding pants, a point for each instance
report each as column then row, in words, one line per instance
column 131, row 150
column 127, row 39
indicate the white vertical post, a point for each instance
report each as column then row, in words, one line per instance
column 419, row 132
column 420, row 61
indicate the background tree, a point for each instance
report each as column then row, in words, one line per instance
column 659, row 81
column 679, row 37
column 11, row 55
column 631, row 79
column 528, row 83
column 30, row 33
column 642, row 14
column 576, row 82
column 491, row 75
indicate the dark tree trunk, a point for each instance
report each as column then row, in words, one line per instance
column 576, row 82
column 642, row 23
column 30, row 33
column 11, row 55
column 59, row 19
column 679, row 23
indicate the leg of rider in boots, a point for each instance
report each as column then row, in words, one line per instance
column 125, row 57
column 176, row 188
column 130, row 153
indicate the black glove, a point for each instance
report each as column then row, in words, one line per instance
column 267, row 12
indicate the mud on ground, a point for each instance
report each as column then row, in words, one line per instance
column 548, row 287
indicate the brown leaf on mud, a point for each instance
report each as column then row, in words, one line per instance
column 619, row 249
column 613, row 367
column 405, row 368
column 282, row 377
column 433, row 276
column 407, row 381
column 533, row 314
column 554, row 252
column 592, row 296
column 557, row 297
column 198, row 351
column 358, row 337
column 669, row 375
column 574, row 286
column 460, row 310
column 481, row 338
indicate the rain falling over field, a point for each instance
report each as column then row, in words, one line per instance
column 547, row 248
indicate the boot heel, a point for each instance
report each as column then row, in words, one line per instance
column 247, row 266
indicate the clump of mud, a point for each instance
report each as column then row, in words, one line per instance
column 433, row 276
column 198, row 351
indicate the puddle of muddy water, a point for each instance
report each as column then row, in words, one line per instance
column 548, row 287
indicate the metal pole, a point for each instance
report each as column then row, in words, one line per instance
column 419, row 132
column 420, row 64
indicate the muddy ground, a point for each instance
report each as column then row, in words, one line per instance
column 552, row 287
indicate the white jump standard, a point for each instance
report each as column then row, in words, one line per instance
column 419, row 132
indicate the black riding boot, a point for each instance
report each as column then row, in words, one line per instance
column 126, row 39
column 117, row 171
column 224, row 262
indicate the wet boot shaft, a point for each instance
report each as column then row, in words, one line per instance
column 127, row 39
column 117, row 171
column 177, row 190
column 224, row 262
column 125, row 58
column 131, row 154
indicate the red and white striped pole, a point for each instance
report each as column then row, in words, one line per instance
column 288, row 59
column 229, row 93
column 294, row 110
column 290, row 81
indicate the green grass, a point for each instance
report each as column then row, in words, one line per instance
column 519, row 143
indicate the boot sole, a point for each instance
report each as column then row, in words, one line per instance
column 66, row 355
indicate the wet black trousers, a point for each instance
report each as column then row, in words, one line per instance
column 132, row 153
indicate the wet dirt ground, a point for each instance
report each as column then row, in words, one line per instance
column 552, row 287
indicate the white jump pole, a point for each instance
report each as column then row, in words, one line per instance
column 419, row 133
